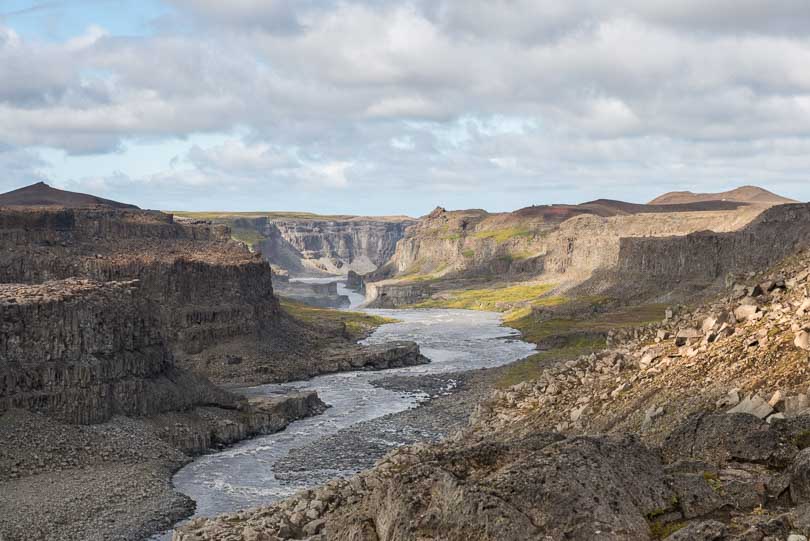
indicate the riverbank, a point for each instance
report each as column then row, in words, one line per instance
column 113, row 480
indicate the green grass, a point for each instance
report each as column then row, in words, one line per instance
column 358, row 325
column 469, row 254
column 493, row 299
column 251, row 237
column 532, row 367
column 503, row 235
column 576, row 336
column 536, row 329
column 217, row 215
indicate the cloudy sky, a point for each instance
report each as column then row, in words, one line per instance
column 388, row 107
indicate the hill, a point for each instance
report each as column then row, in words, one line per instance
column 42, row 195
column 743, row 194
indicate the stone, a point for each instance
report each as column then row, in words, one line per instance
column 746, row 312
column 730, row 400
column 576, row 413
column 802, row 340
column 804, row 308
column 796, row 405
column 753, row 405
column 796, row 537
column 708, row 530
column 800, row 478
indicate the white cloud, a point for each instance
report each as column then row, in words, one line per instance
column 429, row 95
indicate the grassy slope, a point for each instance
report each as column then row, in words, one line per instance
column 574, row 337
column 496, row 299
column 358, row 325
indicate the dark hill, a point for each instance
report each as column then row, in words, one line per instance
column 42, row 195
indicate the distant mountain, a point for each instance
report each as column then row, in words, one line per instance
column 40, row 195
column 743, row 194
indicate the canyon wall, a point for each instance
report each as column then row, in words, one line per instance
column 208, row 291
column 83, row 351
column 559, row 245
column 324, row 246
column 703, row 257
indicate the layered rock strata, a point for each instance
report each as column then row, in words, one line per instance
column 84, row 351
column 322, row 245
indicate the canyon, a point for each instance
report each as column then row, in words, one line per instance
column 666, row 398
column 127, row 320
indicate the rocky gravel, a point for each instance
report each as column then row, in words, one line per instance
column 451, row 400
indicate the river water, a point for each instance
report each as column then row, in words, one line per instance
column 243, row 476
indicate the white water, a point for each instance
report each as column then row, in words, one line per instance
column 243, row 476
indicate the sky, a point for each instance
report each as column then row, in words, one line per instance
column 394, row 107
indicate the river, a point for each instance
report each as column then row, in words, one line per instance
column 243, row 476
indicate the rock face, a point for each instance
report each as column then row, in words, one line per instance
column 207, row 290
column 703, row 257
column 325, row 246
column 548, row 486
column 313, row 294
column 84, row 351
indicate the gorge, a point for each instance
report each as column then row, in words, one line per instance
column 645, row 364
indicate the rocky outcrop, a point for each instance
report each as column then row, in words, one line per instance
column 548, row 486
column 84, row 351
column 312, row 293
column 394, row 295
column 209, row 292
column 207, row 428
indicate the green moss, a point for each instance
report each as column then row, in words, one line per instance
column 503, row 235
column 661, row 530
column 802, row 439
column 493, row 299
column 357, row 324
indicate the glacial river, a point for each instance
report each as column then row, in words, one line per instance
column 243, row 476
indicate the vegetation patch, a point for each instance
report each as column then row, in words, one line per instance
column 503, row 235
column 530, row 368
column 251, row 237
column 661, row 530
column 357, row 324
column 494, row 299
column 535, row 328
column 220, row 216
column 803, row 439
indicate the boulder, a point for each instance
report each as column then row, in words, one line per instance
column 800, row 478
column 745, row 312
column 753, row 405
column 719, row 438
column 802, row 340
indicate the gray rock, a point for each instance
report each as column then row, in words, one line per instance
column 753, row 405
column 800, row 478
column 709, row 530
